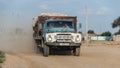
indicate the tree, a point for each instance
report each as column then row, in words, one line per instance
column 107, row 33
column 91, row 32
column 116, row 23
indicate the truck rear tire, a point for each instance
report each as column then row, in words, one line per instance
column 76, row 51
column 37, row 50
column 45, row 51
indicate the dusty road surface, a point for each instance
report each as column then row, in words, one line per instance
column 91, row 57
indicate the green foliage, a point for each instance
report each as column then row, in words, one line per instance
column 116, row 23
column 91, row 32
column 107, row 33
column 2, row 57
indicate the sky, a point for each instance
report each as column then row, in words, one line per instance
column 19, row 13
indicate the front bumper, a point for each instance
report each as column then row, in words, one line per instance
column 62, row 44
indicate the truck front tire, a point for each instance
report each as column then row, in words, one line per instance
column 45, row 50
column 76, row 51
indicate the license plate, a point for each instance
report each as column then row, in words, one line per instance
column 64, row 43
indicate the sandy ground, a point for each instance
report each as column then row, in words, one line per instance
column 91, row 57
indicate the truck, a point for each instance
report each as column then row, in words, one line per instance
column 55, row 31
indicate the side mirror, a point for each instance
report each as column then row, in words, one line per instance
column 79, row 25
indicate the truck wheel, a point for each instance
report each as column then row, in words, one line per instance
column 76, row 51
column 37, row 49
column 45, row 51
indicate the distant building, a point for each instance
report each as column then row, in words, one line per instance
column 96, row 37
column 116, row 38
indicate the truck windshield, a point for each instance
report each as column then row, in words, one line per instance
column 60, row 24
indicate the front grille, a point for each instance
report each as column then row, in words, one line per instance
column 64, row 36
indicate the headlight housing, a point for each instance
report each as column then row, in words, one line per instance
column 77, row 39
column 49, row 38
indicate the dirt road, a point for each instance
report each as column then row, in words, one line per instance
column 91, row 57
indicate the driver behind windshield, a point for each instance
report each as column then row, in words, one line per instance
column 59, row 24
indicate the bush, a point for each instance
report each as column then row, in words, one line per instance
column 2, row 57
column 91, row 32
column 107, row 33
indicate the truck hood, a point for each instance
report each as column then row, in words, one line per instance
column 60, row 30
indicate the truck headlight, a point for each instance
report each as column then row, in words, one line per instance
column 77, row 38
column 49, row 38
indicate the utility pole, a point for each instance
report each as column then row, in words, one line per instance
column 86, row 19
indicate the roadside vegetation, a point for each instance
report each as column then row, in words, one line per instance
column 107, row 33
column 2, row 56
column 91, row 32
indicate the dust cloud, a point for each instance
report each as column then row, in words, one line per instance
column 16, row 32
